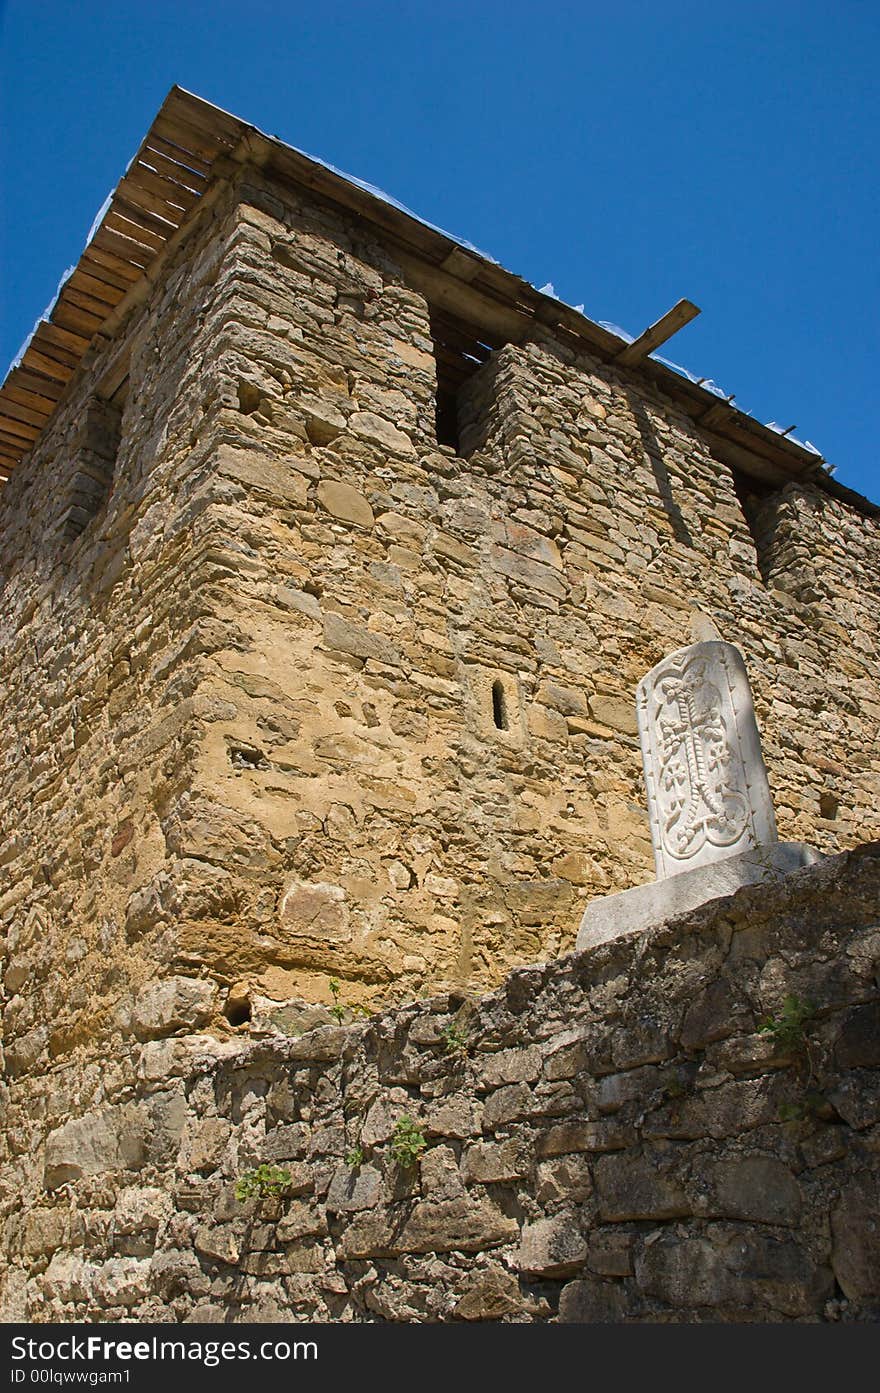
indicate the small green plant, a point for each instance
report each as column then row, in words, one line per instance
column 262, row 1182
column 337, row 1009
column 792, row 1112
column 407, row 1142
column 454, row 1039
column 788, row 1028
column 354, row 1158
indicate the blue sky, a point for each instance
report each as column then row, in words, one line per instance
column 630, row 153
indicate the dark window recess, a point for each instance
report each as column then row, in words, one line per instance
column 757, row 500
column 96, row 448
column 499, row 707
column 460, row 348
column 828, row 806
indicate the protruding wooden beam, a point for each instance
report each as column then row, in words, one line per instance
column 672, row 321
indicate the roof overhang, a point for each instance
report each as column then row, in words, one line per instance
column 190, row 148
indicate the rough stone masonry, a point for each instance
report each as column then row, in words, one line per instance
column 325, row 592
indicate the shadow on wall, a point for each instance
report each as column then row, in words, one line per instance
column 653, row 450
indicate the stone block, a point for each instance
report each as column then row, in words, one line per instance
column 175, row 1003
column 648, row 906
column 589, row 1301
column 855, row 1234
column 632, row 1187
column 510, row 1066
column 489, row 1162
column 489, row 1295
column 108, row 1139
column 344, row 502
column 758, row 1188
column 552, row 1247
column 353, row 1189
column 460, row 1225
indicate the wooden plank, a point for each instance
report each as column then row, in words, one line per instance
column 106, row 239
column 20, row 430
column 15, row 411
column 113, row 287
column 187, row 138
column 38, row 362
column 44, row 344
column 100, row 291
column 157, row 195
column 27, row 381
column 14, row 441
column 113, row 269
column 186, row 162
column 461, row 263
column 98, row 309
column 452, row 295
column 70, row 317
column 34, row 401
column 77, row 343
column 668, row 324
column 206, row 117
column 715, row 414
column 162, row 224
column 131, row 225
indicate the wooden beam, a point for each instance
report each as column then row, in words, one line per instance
column 671, row 322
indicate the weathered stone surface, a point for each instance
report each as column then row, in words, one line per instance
column 489, row 1296
column 345, row 502
column 456, row 1226
column 487, row 1162
column 634, row 1188
column 178, row 1003
column 589, row 1301
column 354, row 1189
column 106, row 1140
column 552, row 1247
column 756, row 1187
column 855, row 1230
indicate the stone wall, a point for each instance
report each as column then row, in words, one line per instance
column 360, row 812
column 609, row 1137
column 293, row 693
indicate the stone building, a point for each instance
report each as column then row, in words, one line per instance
column 331, row 555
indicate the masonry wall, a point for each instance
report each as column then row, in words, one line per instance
column 252, row 696
column 609, row 1137
column 364, row 817
column 102, row 633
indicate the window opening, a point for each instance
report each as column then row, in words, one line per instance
column 460, row 349
column 499, row 706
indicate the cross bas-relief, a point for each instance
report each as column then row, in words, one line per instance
column 708, row 795
column 712, row 823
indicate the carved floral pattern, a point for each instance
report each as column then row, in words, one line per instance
column 701, row 786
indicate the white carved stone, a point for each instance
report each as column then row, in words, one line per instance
column 712, row 822
column 708, row 796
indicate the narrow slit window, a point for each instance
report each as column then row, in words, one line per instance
column 499, row 706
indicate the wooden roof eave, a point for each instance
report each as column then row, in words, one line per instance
column 184, row 160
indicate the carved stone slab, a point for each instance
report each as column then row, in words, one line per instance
column 708, row 796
